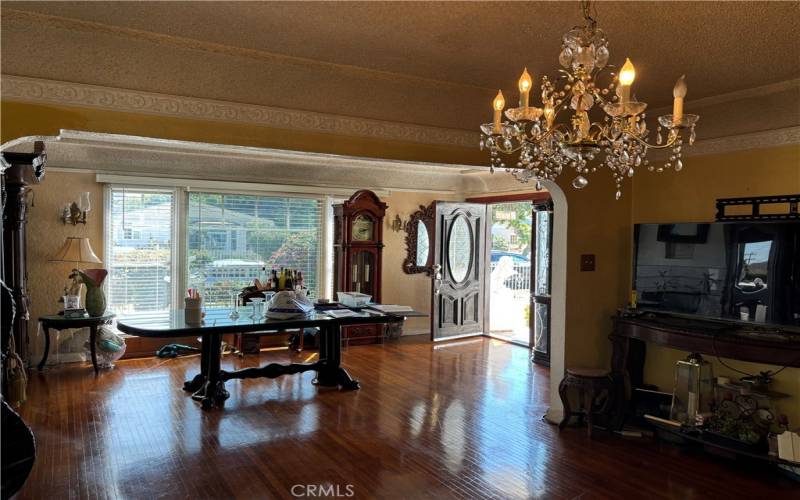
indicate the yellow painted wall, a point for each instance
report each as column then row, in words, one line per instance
column 690, row 196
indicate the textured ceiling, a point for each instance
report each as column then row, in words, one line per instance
column 434, row 63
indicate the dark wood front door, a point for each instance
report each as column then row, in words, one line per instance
column 459, row 251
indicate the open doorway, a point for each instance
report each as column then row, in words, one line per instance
column 518, row 271
column 510, row 272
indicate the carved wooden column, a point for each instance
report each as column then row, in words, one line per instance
column 19, row 171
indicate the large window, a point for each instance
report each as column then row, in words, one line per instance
column 139, row 249
column 232, row 237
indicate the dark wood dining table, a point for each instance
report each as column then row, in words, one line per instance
column 208, row 386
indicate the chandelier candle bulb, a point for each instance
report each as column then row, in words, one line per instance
column 525, row 84
column 626, row 77
column 678, row 92
column 498, row 104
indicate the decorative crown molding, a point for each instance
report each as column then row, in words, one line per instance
column 742, row 142
column 40, row 91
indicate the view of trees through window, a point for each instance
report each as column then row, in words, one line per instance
column 232, row 237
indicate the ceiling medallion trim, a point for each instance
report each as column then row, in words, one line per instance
column 35, row 90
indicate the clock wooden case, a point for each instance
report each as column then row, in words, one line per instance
column 357, row 255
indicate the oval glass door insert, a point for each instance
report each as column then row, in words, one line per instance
column 423, row 244
column 459, row 249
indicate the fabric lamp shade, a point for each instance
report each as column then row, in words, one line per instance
column 76, row 250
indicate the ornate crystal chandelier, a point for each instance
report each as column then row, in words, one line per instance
column 540, row 143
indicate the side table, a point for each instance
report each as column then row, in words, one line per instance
column 57, row 322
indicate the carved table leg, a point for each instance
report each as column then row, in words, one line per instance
column 93, row 347
column 589, row 402
column 199, row 380
column 329, row 372
column 213, row 392
column 46, row 347
column 562, row 392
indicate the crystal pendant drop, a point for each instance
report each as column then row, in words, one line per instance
column 678, row 166
column 618, row 194
column 481, row 145
column 507, row 144
column 601, row 56
column 565, row 57
column 624, row 158
column 692, row 137
column 659, row 139
column 580, row 182
column 538, row 185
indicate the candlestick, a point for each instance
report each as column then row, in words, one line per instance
column 525, row 84
column 498, row 104
column 678, row 92
column 626, row 77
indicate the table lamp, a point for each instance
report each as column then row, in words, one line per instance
column 76, row 250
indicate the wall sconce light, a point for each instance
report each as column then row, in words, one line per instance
column 75, row 212
column 398, row 224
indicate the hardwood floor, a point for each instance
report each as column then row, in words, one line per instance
column 455, row 420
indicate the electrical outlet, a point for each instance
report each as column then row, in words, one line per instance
column 587, row 262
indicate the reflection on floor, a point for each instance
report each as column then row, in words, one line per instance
column 451, row 420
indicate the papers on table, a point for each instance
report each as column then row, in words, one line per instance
column 383, row 308
column 390, row 308
column 341, row 313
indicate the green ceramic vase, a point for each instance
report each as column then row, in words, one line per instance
column 95, row 297
column 95, row 300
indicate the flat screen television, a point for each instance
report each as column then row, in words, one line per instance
column 744, row 271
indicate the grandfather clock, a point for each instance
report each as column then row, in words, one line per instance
column 357, row 255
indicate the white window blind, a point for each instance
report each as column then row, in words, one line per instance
column 139, row 236
column 231, row 237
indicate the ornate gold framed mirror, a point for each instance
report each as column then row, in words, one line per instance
column 419, row 241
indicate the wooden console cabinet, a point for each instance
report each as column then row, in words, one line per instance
column 753, row 342
column 358, row 256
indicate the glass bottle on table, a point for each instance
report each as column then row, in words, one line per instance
column 234, row 304
column 290, row 280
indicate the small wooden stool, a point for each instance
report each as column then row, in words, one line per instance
column 590, row 383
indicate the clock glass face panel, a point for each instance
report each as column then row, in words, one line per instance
column 362, row 228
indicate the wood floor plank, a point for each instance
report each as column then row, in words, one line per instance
column 457, row 420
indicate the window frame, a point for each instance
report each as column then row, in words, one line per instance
column 179, row 271
column 108, row 237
